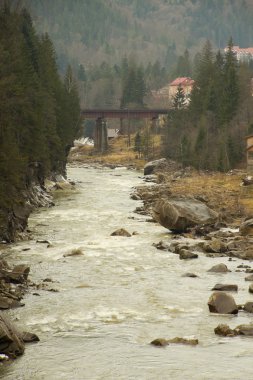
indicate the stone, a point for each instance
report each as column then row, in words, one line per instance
column 251, row 287
column 177, row 340
column 222, row 303
column 186, row 255
column 224, row 330
column 246, row 227
column 245, row 329
column 248, row 307
column 121, row 232
column 159, row 342
column 11, row 343
column 226, row 287
column 215, row 246
column 161, row 245
column 219, row 268
column 28, row 337
column 152, row 166
column 19, row 273
column 9, row 303
column 249, row 278
column 179, row 214
column 192, row 275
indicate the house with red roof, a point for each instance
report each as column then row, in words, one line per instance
column 168, row 92
column 185, row 83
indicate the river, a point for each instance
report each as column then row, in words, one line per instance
column 120, row 295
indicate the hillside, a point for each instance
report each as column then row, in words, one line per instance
column 95, row 30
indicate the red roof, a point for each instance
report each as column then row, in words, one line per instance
column 182, row 81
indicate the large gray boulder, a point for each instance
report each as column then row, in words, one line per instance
column 155, row 165
column 178, row 214
column 222, row 303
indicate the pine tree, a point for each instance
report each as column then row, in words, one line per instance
column 179, row 100
column 231, row 86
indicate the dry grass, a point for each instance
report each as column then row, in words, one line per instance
column 119, row 153
column 221, row 191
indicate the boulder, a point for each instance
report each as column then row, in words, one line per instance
column 245, row 329
column 10, row 342
column 179, row 214
column 246, row 227
column 214, row 246
column 19, row 273
column 28, row 337
column 226, row 287
column 161, row 245
column 121, row 232
column 251, row 287
column 159, row 342
column 152, row 166
column 249, row 278
column 222, row 303
column 224, row 330
column 177, row 340
column 248, row 307
column 186, row 255
column 219, row 268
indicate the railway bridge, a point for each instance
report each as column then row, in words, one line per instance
column 102, row 115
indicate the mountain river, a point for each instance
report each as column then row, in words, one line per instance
column 119, row 295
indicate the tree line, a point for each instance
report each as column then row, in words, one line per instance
column 39, row 112
column 209, row 134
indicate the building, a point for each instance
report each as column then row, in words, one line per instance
column 185, row 83
column 167, row 93
column 242, row 54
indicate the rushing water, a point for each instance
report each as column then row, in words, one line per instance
column 120, row 295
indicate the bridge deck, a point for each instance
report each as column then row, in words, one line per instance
column 123, row 114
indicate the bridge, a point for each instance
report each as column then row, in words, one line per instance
column 101, row 115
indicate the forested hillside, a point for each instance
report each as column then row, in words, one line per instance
column 39, row 113
column 88, row 31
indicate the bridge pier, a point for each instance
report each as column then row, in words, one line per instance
column 100, row 135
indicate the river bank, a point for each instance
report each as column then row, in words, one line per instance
column 14, row 279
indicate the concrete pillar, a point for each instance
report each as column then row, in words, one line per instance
column 100, row 135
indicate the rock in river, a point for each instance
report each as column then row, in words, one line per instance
column 219, row 268
column 178, row 214
column 226, row 287
column 121, row 232
column 222, row 303
column 248, row 307
column 184, row 254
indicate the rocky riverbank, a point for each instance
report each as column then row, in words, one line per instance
column 197, row 205
column 14, row 282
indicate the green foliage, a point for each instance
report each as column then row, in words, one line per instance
column 38, row 114
column 219, row 116
column 179, row 100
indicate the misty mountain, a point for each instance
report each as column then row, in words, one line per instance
column 88, row 31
